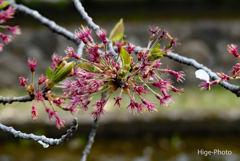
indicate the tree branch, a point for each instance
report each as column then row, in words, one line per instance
column 43, row 139
column 91, row 137
column 45, row 21
column 10, row 100
column 191, row 62
column 94, row 26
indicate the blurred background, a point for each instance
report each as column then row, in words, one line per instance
column 198, row 120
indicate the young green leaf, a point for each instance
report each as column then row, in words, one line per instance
column 126, row 59
column 89, row 67
column 156, row 53
column 4, row 4
column 49, row 73
column 117, row 32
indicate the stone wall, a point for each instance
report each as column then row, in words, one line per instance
column 204, row 40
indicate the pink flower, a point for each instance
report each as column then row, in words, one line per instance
column 33, row 64
column 150, row 106
column 85, row 105
column 22, row 80
column 140, row 89
column 39, row 96
column 236, row 70
column 118, row 99
column 7, row 14
column 88, row 33
column 93, row 50
column 141, row 55
column 162, row 34
column 103, row 35
column 173, row 42
column 59, row 123
column 57, row 60
column 132, row 107
column 72, row 109
column 165, row 100
column 99, row 105
column 154, row 30
column 223, row 76
column 163, row 84
column 6, row 38
column 206, row 85
column 81, row 36
column 179, row 75
column 71, row 53
column 94, row 114
column 119, row 44
column 129, row 48
column 58, row 101
column 232, row 49
column 15, row 30
column 51, row 114
column 42, row 79
column 177, row 90
column 34, row 112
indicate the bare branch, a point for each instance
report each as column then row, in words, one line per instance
column 10, row 100
column 94, row 26
column 45, row 21
column 80, row 49
column 91, row 136
column 191, row 62
column 43, row 139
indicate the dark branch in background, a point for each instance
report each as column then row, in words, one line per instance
column 43, row 139
column 10, row 100
column 91, row 137
column 94, row 26
column 51, row 24
column 191, row 62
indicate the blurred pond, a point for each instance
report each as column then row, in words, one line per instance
column 174, row 148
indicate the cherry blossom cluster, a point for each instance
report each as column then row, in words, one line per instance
column 235, row 71
column 6, row 14
column 101, row 73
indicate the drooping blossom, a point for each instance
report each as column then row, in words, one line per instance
column 15, row 30
column 39, row 96
column 34, row 112
column 117, row 101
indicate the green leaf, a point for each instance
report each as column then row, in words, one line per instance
column 61, row 73
column 89, row 67
column 4, row 4
column 117, row 32
column 126, row 59
column 156, row 53
column 49, row 73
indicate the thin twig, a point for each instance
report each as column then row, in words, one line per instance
column 94, row 26
column 91, row 136
column 43, row 139
column 45, row 21
column 10, row 100
column 191, row 62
